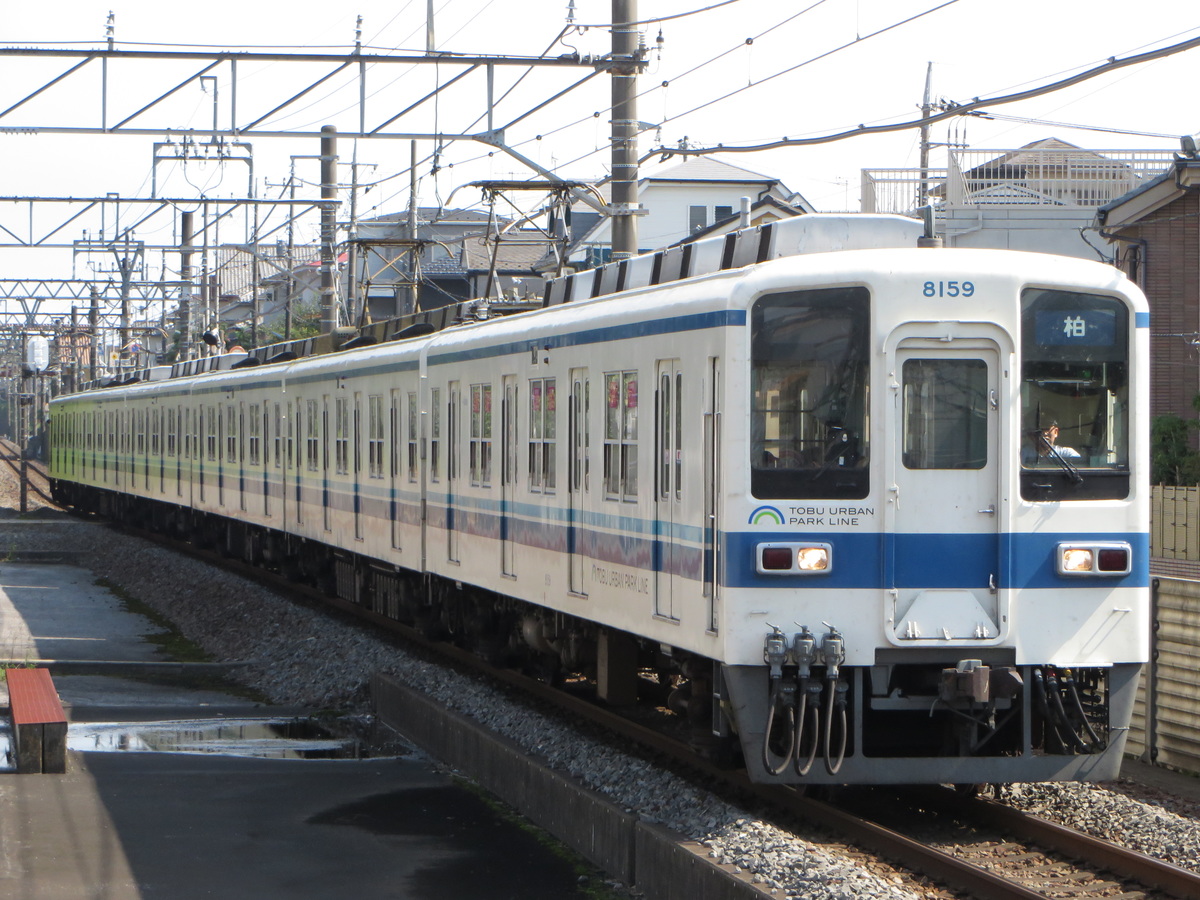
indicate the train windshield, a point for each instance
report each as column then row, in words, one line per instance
column 809, row 394
column 1074, row 396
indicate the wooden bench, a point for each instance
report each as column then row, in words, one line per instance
column 39, row 723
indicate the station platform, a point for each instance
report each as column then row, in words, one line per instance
column 127, row 821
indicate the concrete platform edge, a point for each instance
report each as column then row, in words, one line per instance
column 654, row 859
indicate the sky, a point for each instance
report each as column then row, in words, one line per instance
column 734, row 73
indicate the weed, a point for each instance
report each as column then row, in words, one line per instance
column 176, row 647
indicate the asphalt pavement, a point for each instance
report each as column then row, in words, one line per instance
column 128, row 821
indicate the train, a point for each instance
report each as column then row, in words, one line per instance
column 857, row 509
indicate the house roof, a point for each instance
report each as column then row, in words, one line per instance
column 513, row 254
column 1048, row 152
column 1145, row 199
column 707, row 169
column 701, row 170
column 433, row 215
column 475, row 255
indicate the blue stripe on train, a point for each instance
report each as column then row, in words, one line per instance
column 875, row 561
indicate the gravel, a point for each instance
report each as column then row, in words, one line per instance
column 303, row 658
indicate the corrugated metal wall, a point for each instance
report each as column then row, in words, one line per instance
column 1166, row 722
column 1175, row 522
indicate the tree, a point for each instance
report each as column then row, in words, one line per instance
column 1172, row 459
column 306, row 322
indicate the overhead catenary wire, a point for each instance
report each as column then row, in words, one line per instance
column 694, row 69
column 952, row 110
column 642, row 94
column 1026, row 120
column 655, row 21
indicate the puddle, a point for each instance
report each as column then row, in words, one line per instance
column 283, row 738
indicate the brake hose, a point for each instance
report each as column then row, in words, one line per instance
column 830, row 766
column 1097, row 744
column 773, row 702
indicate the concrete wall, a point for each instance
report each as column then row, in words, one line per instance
column 658, row 862
column 1042, row 229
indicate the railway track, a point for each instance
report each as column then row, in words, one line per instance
column 970, row 848
column 37, row 482
column 991, row 850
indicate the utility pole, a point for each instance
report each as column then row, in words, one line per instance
column 926, row 109
column 329, row 317
column 624, row 130
column 24, row 408
column 291, row 259
column 186, row 326
column 357, row 316
column 125, row 267
column 94, row 330
column 414, row 251
column 255, row 311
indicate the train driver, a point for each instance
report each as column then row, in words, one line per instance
column 1045, row 444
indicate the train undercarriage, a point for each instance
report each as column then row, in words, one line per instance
column 802, row 717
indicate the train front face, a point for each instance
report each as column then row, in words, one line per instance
column 937, row 567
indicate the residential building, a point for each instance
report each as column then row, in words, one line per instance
column 680, row 201
column 1156, row 229
column 1041, row 197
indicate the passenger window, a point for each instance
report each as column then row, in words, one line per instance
column 809, row 394
column 542, row 435
column 945, row 413
column 621, row 436
column 1074, row 396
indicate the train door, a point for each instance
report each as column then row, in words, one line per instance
column 203, row 426
column 943, row 543
column 297, row 446
column 239, row 456
column 712, row 493
column 119, row 443
column 273, row 445
column 396, row 447
column 223, row 429
column 356, row 465
column 453, row 428
column 508, row 471
column 577, row 479
column 668, row 486
column 326, row 511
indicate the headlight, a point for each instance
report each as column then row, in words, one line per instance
column 806, row 558
column 1101, row 558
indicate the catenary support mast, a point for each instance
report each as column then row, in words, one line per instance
column 624, row 129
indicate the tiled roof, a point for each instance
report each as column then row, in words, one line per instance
column 703, row 168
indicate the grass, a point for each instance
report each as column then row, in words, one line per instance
column 175, row 647
column 169, row 639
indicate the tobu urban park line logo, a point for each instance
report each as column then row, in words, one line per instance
column 766, row 515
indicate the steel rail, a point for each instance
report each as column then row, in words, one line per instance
column 907, row 853
column 1095, row 851
column 11, row 455
column 1106, row 855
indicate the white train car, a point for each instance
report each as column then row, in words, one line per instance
column 880, row 507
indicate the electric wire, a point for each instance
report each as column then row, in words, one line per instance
column 642, row 94
column 953, row 110
column 682, row 15
column 1026, row 120
column 857, row 40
